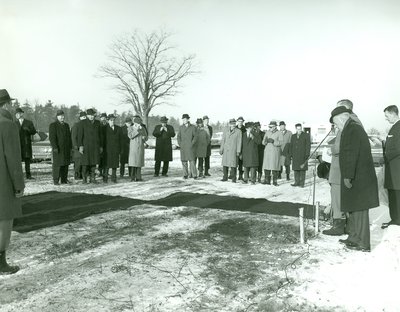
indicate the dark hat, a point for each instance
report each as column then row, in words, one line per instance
column 232, row 121
column 19, row 110
column 81, row 114
column 59, row 112
column 273, row 123
column 199, row 121
column 257, row 123
column 205, row 117
column 137, row 119
column 128, row 119
column 323, row 170
column 163, row 119
column 249, row 124
column 90, row 112
column 185, row 116
column 339, row 110
column 111, row 116
column 240, row 118
column 103, row 115
column 4, row 96
column 282, row 123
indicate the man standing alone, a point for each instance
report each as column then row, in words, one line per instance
column 187, row 137
column 60, row 140
column 163, row 153
column 26, row 130
column 300, row 147
column 392, row 164
column 11, row 181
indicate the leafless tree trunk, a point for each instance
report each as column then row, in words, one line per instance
column 145, row 70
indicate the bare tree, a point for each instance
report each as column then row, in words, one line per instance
column 145, row 70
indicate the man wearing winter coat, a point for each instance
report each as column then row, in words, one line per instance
column 124, row 156
column 187, row 138
column 300, row 146
column 75, row 147
column 241, row 127
column 103, row 128
column 209, row 129
column 113, row 142
column 61, row 144
column 11, row 180
column 250, row 142
column 163, row 152
column 26, row 130
column 261, row 148
column 392, row 164
column 138, row 137
column 201, row 147
column 285, row 148
column 230, row 149
column 272, row 153
column 90, row 142
column 359, row 187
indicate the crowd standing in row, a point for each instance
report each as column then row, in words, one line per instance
column 244, row 146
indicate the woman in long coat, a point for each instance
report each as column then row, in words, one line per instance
column 202, row 143
column 163, row 152
column 12, row 183
column 113, row 143
column 272, row 153
column 231, row 146
column 138, row 136
column 250, row 142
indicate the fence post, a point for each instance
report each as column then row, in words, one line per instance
column 317, row 218
column 301, row 220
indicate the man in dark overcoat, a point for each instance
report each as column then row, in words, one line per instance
column 209, row 129
column 11, row 180
column 187, row 137
column 61, row 144
column 26, row 130
column 76, row 156
column 241, row 127
column 250, row 141
column 113, row 143
column 90, row 141
column 125, row 142
column 103, row 129
column 300, row 146
column 359, row 186
column 392, row 165
column 261, row 148
column 163, row 152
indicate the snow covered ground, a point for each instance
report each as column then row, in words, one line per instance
column 322, row 275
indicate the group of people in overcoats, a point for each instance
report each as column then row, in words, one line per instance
column 264, row 152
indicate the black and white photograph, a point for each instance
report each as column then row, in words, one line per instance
column 200, row 155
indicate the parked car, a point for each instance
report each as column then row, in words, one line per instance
column 216, row 139
column 151, row 143
column 41, row 151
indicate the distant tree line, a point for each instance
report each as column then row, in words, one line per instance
column 44, row 114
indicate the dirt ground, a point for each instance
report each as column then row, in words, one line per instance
column 154, row 258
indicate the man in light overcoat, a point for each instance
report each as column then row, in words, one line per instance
column 230, row 149
column 187, row 138
column 272, row 153
column 285, row 148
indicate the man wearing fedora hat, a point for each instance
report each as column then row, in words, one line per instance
column 272, row 153
column 61, row 144
column 203, row 140
column 103, row 129
column 187, row 137
column 113, row 143
column 285, row 158
column 163, row 152
column 124, row 156
column 209, row 129
column 75, row 147
column 261, row 147
column 300, row 147
column 90, row 142
column 242, row 128
column 230, row 149
column 359, row 187
column 26, row 130
column 138, row 137
column 250, row 142
column 11, row 181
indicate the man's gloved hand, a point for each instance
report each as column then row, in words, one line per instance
column 81, row 149
column 347, row 183
column 55, row 150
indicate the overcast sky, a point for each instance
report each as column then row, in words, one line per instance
column 289, row 60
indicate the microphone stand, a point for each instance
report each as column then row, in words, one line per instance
column 315, row 166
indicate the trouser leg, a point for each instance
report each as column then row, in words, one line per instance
column 105, row 174
column 206, row 164
column 200, row 166
column 165, row 168
column 92, row 170
column 157, row 167
column 335, row 201
column 85, row 172
column 253, row 173
column 193, row 169
column 130, row 171
column 287, row 168
column 394, row 205
column 233, row 174
column 275, row 175
column 240, row 167
column 296, row 177
column 122, row 170
column 185, row 169
column 114, row 174
column 139, row 173
column 5, row 234
column 64, row 173
column 56, row 172
column 246, row 174
column 302, row 177
column 27, row 162
column 361, row 232
column 225, row 173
